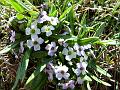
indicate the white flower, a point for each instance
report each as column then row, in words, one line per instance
column 79, row 80
column 52, row 48
column 47, row 29
column 71, row 84
column 21, row 50
column 35, row 43
column 87, row 46
column 69, row 53
column 49, row 70
column 81, row 68
column 62, row 42
column 33, row 31
column 61, row 72
column 54, row 20
column 79, row 49
column 67, row 85
column 43, row 17
column 12, row 38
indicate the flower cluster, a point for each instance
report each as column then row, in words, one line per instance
column 34, row 31
column 61, row 72
column 74, row 56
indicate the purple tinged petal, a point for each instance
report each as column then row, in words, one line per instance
column 36, row 47
column 29, row 43
column 79, row 80
column 40, row 40
column 66, row 75
column 34, row 37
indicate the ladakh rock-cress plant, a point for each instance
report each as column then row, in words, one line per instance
column 64, row 57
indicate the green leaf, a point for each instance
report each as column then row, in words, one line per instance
column 99, row 69
column 35, row 73
column 102, row 71
column 117, row 5
column 8, row 48
column 34, row 81
column 40, row 54
column 88, row 86
column 65, row 3
column 72, row 38
column 87, row 78
column 20, row 16
column 83, row 20
column 71, row 19
column 98, row 80
column 62, row 17
column 100, row 29
column 17, row 6
column 34, row 14
column 90, row 40
column 23, row 5
column 83, row 29
column 53, row 11
column 39, row 81
column 22, row 68
column 109, row 42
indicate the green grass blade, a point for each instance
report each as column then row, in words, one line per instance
column 100, row 29
column 22, row 68
column 98, row 80
column 62, row 17
column 37, row 79
column 17, row 6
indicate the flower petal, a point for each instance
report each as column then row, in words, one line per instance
column 50, row 53
column 76, row 46
column 37, row 31
column 34, row 36
column 21, row 47
column 73, row 55
column 27, row 31
column 29, row 43
column 43, row 29
column 66, row 75
column 53, row 44
column 51, row 27
column 48, row 47
column 64, row 68
column 65, row 51
column 40, row 40
column 43, row 13
column 48, row 33
column 34, row 25
column 36, row 47
column 79, row 80
column 77, row 71
column 59, row 76
column 68, row 57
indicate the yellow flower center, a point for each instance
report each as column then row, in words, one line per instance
column 32, row 31
column 47, row 29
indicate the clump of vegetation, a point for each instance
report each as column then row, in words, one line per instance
column 56, row 44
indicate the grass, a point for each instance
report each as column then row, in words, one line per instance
column 92, row 18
